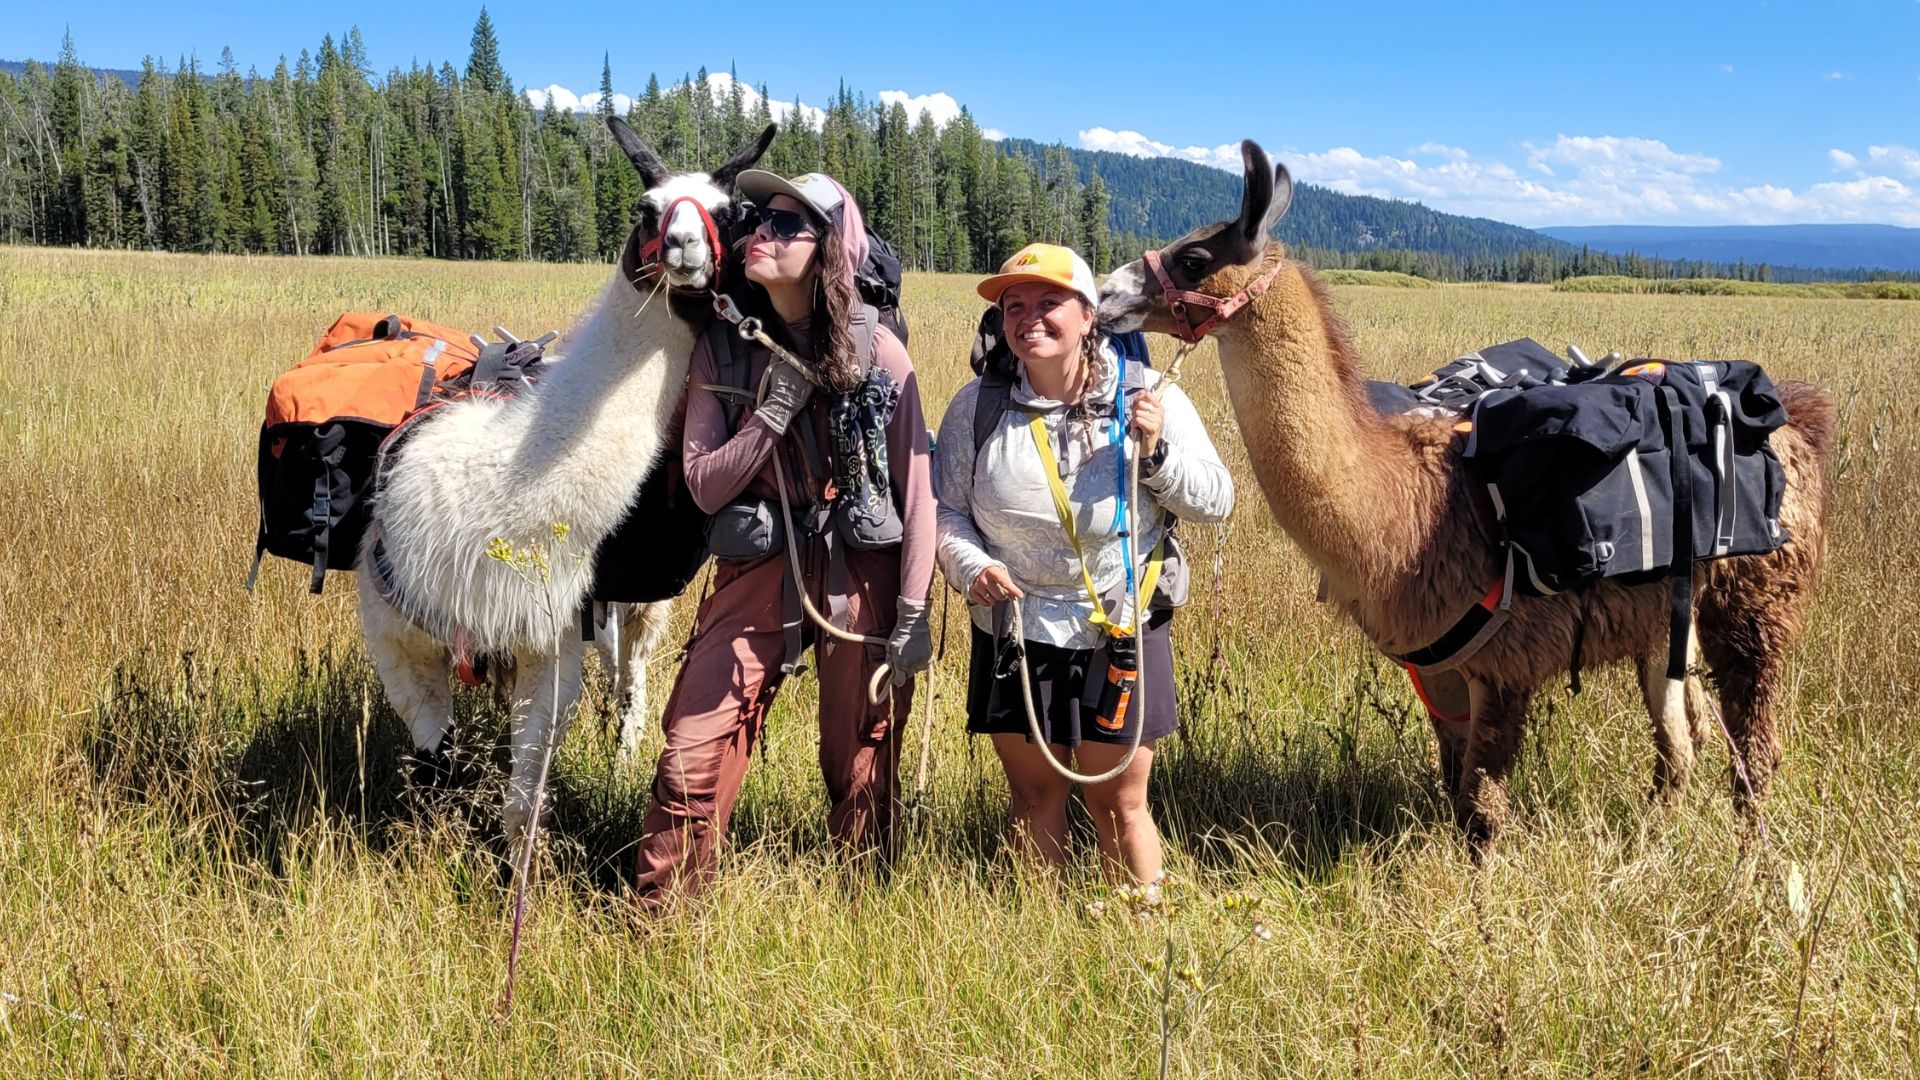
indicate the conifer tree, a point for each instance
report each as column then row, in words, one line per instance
column 483, row 64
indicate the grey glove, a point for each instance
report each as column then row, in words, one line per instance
column 910, row 646
column 787, row 394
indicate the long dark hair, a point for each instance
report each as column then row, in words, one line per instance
column 834, row 305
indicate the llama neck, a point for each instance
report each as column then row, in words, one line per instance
column 602, row 413
column 1338, row 479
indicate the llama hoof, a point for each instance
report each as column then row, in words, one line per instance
column 513, row 829
column 428, row 768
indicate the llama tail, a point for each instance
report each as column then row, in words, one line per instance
column 1810, row 412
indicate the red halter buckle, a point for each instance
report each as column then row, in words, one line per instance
column 1182, row 303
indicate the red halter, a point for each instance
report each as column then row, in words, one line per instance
column 644, row 259
column 1183, row 302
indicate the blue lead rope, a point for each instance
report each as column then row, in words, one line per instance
column 1117, row 438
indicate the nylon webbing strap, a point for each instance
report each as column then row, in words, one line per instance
column 1680, row 621
column 1038, row 425
column 259, row 552
column 428, row 373
column 321, row 515
column 331, row 448
column 991, row 401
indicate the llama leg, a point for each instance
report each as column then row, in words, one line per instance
column 1450, row 709
column 538, row 701
column 1451, row 736
column 1748, row 620
column 643, row 628
column 1749, row 681
column 1493, row 742
column 1666, row 701
column 608, row 638
column 414, row 671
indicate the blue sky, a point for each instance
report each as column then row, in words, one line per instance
column 1539, row 113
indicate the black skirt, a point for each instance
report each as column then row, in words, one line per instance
column 1066, row 690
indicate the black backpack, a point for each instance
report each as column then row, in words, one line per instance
column 877, row 279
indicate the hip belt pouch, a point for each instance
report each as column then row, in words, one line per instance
column 867, row 524
column 744, row 530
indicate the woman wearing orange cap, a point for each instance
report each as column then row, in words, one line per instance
column 1068, row 410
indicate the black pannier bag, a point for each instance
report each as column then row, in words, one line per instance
column 1631, row 475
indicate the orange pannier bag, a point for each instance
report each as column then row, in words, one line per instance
column 325, row 419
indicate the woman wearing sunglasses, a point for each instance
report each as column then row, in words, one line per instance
column 1031, row 494
column 850, row 438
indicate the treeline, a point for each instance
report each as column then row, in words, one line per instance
column 1563, row 261
column 322, row 157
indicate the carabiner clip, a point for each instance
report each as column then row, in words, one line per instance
column 724, row 307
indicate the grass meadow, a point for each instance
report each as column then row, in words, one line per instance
column 207, row 869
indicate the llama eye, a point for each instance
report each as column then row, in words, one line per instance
column 1194, row 265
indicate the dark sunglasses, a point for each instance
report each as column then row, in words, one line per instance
column 787, row 225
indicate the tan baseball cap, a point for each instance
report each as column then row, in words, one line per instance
column 815, row 191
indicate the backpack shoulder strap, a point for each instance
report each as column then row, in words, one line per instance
column 729, row 368
column 865, row 325
column 990, row 401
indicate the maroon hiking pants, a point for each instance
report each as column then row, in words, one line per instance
column 719, row 703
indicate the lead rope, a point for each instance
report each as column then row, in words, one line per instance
column 874, row 685
column 1140, row 660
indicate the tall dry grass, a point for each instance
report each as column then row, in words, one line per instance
column 205, row 866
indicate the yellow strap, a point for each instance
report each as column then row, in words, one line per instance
column 1061, row 507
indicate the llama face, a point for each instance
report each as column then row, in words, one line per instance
column 693, row 216
column 672, row 212
column 1132, row 297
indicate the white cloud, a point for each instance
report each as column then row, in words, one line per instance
column 1578, row 179
column 1226, row 156
column 1617, row 156
column 1837, row 76
column 1902, row 160
column 1726, row 69
column 994, row 134
column 940, row 105
column 720, row 85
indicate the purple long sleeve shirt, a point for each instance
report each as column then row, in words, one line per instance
column 720, row 465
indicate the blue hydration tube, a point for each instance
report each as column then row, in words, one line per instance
column 1117, row 437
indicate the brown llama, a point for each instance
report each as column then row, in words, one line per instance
column 1383, row 507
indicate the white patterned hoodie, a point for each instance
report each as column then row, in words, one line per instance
column 997, row 508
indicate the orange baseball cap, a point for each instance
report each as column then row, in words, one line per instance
column 1050, row 263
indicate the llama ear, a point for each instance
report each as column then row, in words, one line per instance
column 1257, row 200
column 1282, row 198
column 652, row 172
column 723, row 176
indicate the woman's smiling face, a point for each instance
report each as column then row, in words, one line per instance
column 1044, row 322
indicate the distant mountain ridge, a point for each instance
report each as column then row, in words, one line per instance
column 19, row 67
column 1882, row 247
